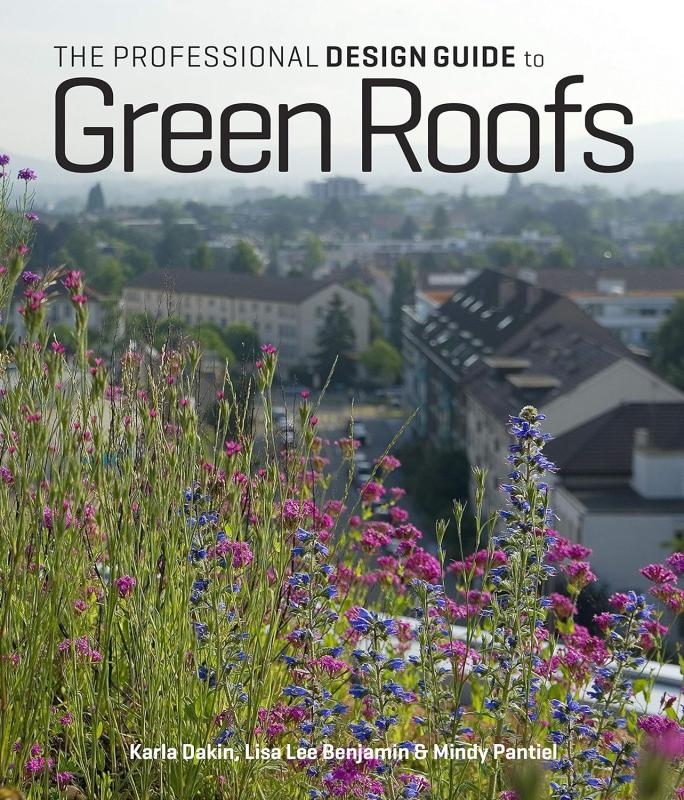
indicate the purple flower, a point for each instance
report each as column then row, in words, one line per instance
column 4, row 160
column 30, row 277
column 27, row 175
column 31, row 216
column 659, row 574
column 125, row 585
column 676, row 562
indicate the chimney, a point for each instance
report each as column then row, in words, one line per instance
column 507, row 291
column 641, row 438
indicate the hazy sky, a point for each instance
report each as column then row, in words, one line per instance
column 629, row 52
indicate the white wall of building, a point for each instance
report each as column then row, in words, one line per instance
column 624, row 381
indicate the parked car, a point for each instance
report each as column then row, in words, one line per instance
column 359, row 431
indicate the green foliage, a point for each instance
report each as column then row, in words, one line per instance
column 314, row 254
column 408, row 230
column 242, row 340
column 244, row 259
column 336, row 342
column 435, row 475
column 382, row 363
column 669, row 246
column 440, row 223
column 202, row 259
column 403, row 291
column 668, row 346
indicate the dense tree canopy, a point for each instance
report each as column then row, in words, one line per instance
column 668, row 346
column 336, row 341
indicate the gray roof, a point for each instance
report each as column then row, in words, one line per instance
column 230, row 284
column 586, row 281
column 624, row 500
column 560, row 355
column 604, row 445
column 480, row 318
column 511, row 343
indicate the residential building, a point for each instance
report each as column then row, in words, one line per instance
column 336, row 189
column 632, row 303
column 476, row 323
column 499, row 344
column 285, row 311
column 60, row 309
column 620, row 488
column 568, row 373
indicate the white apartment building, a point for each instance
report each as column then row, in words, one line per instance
column 285, row 311
column 631, row 303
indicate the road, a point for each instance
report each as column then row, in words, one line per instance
column 383, row 424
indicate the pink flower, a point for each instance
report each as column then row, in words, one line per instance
column 398, row 515
column 232, row 448
column 603, row 621
column 125, row 585
column 239, row 553
column 420, row 564
column 72, row 280
column 372, row 492
column 313, row 420
column 562, row 606
column 580, row 573
column 657, row 573
column 35, row 765
column 671, row 595
column 269, row 349
column 676, row 562
column 304, row 394
column 332, row 666
column 63, row 779
column 665, row 736
column 389, row 463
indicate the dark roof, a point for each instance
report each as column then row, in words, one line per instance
column 586, row 281
column 187, row 281
column 560, row 356
column 480, row 318
column 604, row 445
column 624, row 500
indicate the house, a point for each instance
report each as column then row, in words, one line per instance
column 285, row 311
column 564, row 369
column 336, row 189
column 443, row 349
column 631, row 302
column 620, row 488
column 60, row 309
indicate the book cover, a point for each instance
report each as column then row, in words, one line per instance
column 341, row 400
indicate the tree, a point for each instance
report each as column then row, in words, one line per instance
column 202, row 259
column 242, row 339
column 314, row 254
column 669, row 246
column 408, row 229
column 96, row 201
column 336, row 340
column 403, row 291
column 440, row 223
column 176, row 245
column 668, row 346
column 244, row 259
column 560, row 257
column 382, row 363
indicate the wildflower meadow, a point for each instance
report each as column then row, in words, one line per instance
column 187, row 613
